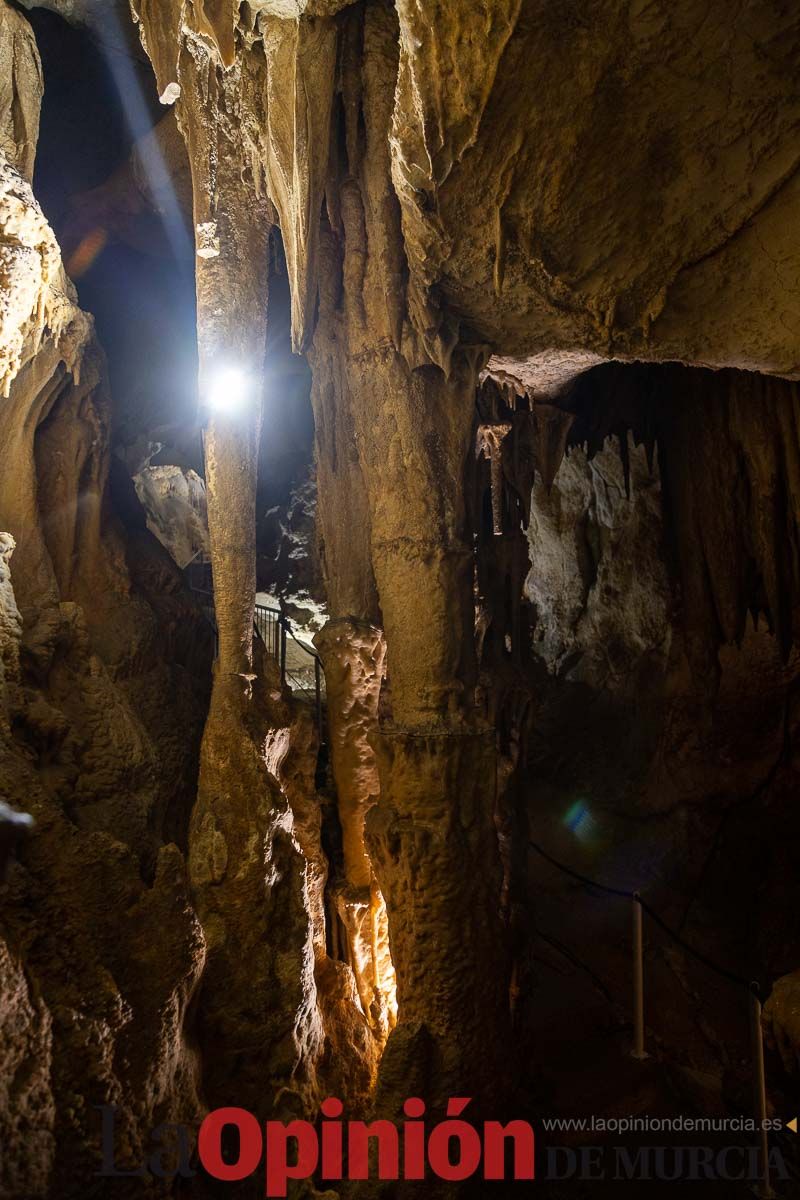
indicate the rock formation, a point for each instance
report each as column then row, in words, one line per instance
column 103, row 700
column 543, row 267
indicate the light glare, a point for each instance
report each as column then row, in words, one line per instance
column 228, row 389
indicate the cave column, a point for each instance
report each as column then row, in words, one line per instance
column 395, row 443
column 432, row 836
column 232, row 296
column 218, row 90
column 259, row 1025
column 353, row 652
column 416, row 775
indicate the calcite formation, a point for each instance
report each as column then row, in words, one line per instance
column 543, row 263
column 94, row 627
column 175, row 503
column 353, row 656
column 21, row 92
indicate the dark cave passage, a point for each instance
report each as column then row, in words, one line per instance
column 399, row 531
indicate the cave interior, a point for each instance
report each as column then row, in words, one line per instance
column 399, row 574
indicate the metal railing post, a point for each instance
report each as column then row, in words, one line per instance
column 283, row 651
column 638, row 981
column 318, row 694
column 764, row 1191
column 763, row 1183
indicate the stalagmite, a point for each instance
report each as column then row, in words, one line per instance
column 353, row 654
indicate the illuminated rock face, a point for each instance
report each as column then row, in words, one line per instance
column 457, row 189
column 601, row 611
column 101, row 707
column 175, row 503
column 353, row 656
column 662, row 754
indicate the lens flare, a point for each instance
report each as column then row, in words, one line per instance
column 579, row 820
column 86, row 253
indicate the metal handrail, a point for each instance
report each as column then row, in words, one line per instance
column 273, row 629
column 267, row 625
column 290, row 678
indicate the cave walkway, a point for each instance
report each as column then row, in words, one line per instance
column 300, row 665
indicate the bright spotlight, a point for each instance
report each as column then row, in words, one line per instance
column 228, row 389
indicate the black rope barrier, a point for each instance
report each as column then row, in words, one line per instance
column 625, row 894
column 601, row 887
column 731, row 976
column 756, row 1031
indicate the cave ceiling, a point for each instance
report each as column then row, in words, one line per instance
column 535, row 220
column 638, row 198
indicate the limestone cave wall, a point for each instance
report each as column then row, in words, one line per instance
column 468, row 334
column 104, row 696
column 659, row 759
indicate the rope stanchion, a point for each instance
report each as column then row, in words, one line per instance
column 640, row 906
column 651, row 912
column 638, row 1051
column 765, row 1191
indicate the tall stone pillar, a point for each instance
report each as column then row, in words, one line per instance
column 258, row 1022
column 395, row 448
column 432, row 835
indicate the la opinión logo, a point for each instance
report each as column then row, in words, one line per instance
column 452, row 1150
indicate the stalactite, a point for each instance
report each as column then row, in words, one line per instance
column 490, row 447
column 300, row 85
column 552, row 433
column 217, row 18
column 719, row 434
